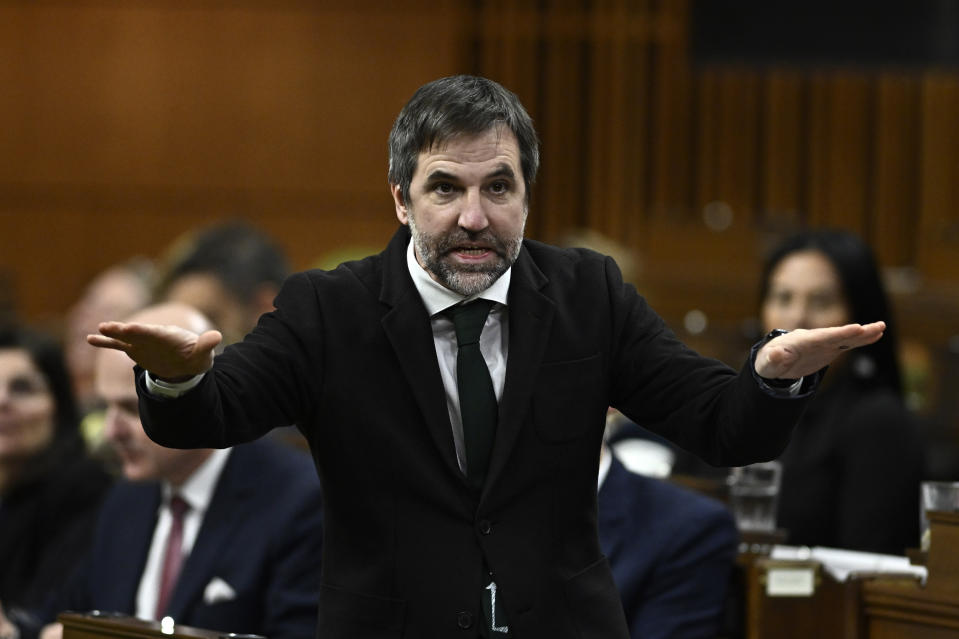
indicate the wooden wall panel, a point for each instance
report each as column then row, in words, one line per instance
column 895, row 202
column 128, row 122
column 606, row 175
column 729, row 162
column 671, row 129
column 781, row 150
column 839, row 159
column 560, row 200
column 938, row 240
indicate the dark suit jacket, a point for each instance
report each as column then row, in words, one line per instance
column 348, row 356
column 671, row 551
column 46, row 522
column 261, row 535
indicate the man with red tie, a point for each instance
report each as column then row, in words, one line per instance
column 225, row 539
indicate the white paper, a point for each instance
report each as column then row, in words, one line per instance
column 841, row 563
column 790, row 582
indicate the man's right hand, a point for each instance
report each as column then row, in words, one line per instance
column 169, row 352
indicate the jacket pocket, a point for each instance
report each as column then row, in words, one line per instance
column 594, row 603
column 349, row 614
column 568, row 398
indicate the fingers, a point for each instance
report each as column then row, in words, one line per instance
column 853, row 335
column 804, row 351
column 208, row 341
column 126, row 330
column 101, row 341
column 115, row 335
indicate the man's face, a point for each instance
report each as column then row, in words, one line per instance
column 467, row 209
column 140, row 457
column 205, row 292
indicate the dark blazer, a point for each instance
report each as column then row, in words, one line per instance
column 348, row 356
column 47, row 521
column 852, row 471
column 671, row 551
column 261, row 535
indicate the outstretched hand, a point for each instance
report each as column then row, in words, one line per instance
column 802, row 352
column 168, row 352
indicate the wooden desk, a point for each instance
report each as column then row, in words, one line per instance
column 867, row 606
column 912, row 611
column 108, row 626
column 830, row 610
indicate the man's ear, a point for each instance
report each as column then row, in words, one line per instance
column 402, row 213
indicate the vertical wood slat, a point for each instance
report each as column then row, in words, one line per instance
column 672, row 131
column 561, row 196
column 781, row 150
column 736, row 157
column 636, row 136
column 839, row 162
column 816, row 106
column 896, row 175
column 606, row 168
column 597, row 161
column 709, row 86
column 938, row 241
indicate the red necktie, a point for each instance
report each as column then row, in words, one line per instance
column 172, row 554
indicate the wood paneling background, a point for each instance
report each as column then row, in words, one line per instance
column 697, row 170
column 127, row 122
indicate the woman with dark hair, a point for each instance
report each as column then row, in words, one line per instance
column 49, row 489
column 851, row 472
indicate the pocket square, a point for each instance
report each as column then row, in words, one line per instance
column 218, row 590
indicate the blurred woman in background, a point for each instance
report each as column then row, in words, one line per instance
column 851, row 472
column 49, row 489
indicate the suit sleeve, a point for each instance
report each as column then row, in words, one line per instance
column 701, row 404
column 263, row 382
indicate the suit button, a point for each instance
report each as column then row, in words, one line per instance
column 485, row 527
column 464, row 620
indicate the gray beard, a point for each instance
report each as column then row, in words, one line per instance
column 467, row 280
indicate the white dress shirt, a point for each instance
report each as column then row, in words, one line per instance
column 198, row 492
column 494, row 341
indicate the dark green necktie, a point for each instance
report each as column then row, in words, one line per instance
column 477, row 399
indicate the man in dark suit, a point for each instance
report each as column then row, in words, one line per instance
column 671, row 551
column 250, row 540
column 442, row 522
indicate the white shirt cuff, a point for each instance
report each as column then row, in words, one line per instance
column 170, row 389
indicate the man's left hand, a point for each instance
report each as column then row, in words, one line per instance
column 802, row 352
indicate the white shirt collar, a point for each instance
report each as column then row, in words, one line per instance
column 198, row 489
column 605, row 461
column 438, row 298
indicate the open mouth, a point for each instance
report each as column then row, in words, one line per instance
column 472, row 251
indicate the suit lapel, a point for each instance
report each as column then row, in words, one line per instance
column 129, row 548
column 407, row 326
column 215, row 531
column 530, row 319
